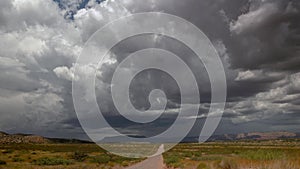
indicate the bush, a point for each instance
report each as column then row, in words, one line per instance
column 2, row 162
column 79, row 156
column 101, row 159
column 262, row 154
column 52, row 161
column 125, row 164
column 173, row 161
column 120, row 160
column 17, row 159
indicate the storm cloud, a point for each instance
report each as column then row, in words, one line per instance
column 258, row 42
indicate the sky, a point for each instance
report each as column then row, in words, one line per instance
column 258, row 42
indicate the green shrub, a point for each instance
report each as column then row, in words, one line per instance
column 173, row 161
column 262, row 154
column 2, row 162
column 52, row 161
column 17, row 159
column 101, row 159
column 125, row 164
column 79, row 156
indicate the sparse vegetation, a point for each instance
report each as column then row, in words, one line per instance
column 262, row 154
column 101, row 159
column 79, row 156
column 273, row 154
column 17, row 159
column 172, row 161
column 52, row 161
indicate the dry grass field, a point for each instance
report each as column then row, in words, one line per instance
column 277, row 154
column 59, row 156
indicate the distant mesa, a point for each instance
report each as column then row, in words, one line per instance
column 249, row 136
column 266, row 136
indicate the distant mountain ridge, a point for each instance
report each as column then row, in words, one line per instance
column 266, row 136
column 248, row 136
column 6, row 138
column 223, row 137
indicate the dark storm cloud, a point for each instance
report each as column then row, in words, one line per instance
column 258, row 35
column 266, row 36
column 219, row 20
column 155, row 79
column 258, row 41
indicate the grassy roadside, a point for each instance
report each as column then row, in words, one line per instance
column 23, row 156
column 276, row 154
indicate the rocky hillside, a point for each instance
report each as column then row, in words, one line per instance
column 22, row 138
column 34, row 139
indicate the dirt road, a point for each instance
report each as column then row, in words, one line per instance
column 154, row 162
